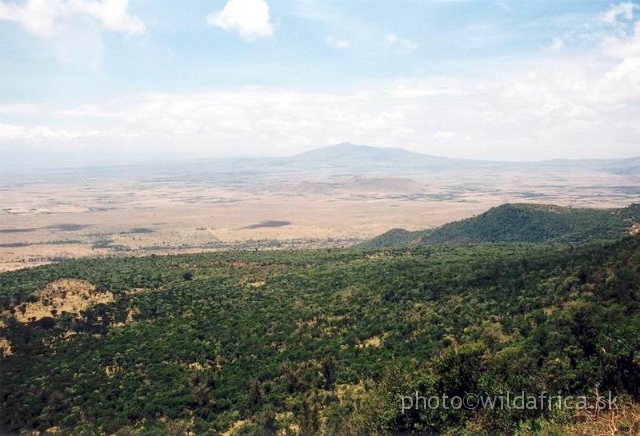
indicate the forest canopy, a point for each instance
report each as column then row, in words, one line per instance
column 319, row 341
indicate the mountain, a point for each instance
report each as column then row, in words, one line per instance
column 344, row 158
column 347, row 151
column 522, row 223
column 625, row 166
column 347, row 155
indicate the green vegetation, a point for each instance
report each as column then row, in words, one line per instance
column 323, row 341
column 522, row 223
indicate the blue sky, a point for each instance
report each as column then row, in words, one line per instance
column 116, row 81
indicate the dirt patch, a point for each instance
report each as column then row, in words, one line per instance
column 287, row 421
column 111, row 370
column 64, row 295
column 635, row 229
column 5, row 347
column 236, row 427
column 374, row 342
column 198, row 366
column 15, row 266
column 349, row 392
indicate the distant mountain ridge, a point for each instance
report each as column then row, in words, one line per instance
column 347, row 150
column 347, row 156
column 355, row 157
column 522, row 223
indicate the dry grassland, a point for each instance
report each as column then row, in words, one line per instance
column 45, row 221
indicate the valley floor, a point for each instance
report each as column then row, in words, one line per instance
column 49, row 217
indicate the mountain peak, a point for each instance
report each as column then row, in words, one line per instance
column 347, row 154
column 351, row 146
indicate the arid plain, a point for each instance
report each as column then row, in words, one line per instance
column 47, row 216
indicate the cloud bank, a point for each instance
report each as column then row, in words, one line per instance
column 44, row 17
column 250, row 18
column 560, row 103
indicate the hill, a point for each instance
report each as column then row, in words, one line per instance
column 345, row 157
column 318, row 342
column 522, row 223
column 358, row 157
column 353, row 157
column 625, row 166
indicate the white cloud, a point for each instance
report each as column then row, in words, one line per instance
column 402, row 45
column 435, row 86
column 113, row 15
column 43, row 17
column 623, row 10
column 12, row 132
column 250, row 18
column 337, row 43
column 623, row 39
column 19, row 108
column 557, row 108
column 622, row 45
column 553, row 106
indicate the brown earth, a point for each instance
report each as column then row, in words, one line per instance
column 64, row 295
column 42, row 221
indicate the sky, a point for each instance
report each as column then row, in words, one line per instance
column 86, row 82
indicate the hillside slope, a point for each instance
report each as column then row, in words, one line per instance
column 522, row 223
column 316, row 342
